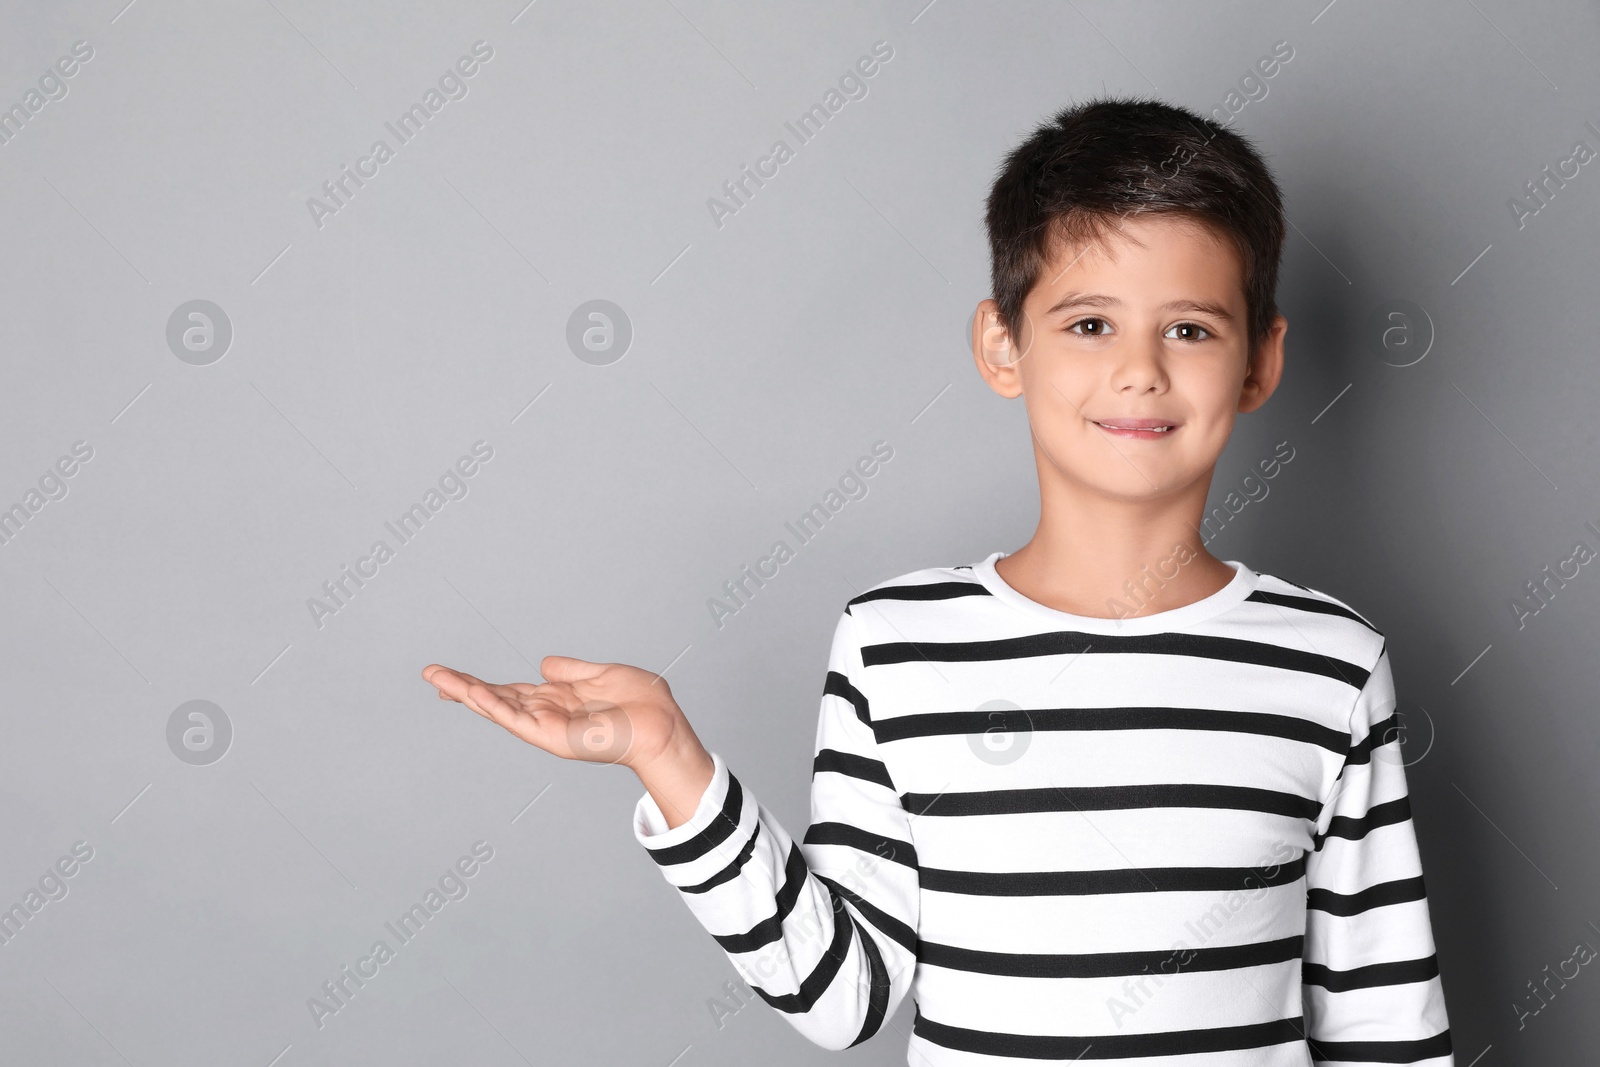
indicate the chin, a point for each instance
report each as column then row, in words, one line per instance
column 1140, row 484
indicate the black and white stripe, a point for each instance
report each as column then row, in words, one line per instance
column 1149, row 840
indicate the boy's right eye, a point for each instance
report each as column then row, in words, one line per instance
column 1098, row 330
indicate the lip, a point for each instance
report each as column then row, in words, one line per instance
column 1138, row 429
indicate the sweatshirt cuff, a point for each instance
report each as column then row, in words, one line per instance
column 650, row 825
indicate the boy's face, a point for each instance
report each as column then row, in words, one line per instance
column 1148, row 326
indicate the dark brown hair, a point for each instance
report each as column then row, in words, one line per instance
column 1094, row 162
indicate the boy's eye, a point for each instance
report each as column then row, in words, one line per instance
column 1095, row 327
column 1194, row 329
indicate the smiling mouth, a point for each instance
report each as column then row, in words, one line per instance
column 1138, row 428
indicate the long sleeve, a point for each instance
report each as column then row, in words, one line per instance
column 1372, row 992
column 823, row 931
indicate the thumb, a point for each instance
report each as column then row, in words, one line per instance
column 569, row 669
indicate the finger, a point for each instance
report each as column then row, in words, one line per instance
column 569, row 669
column 454, row 686
column 472, row 706
column 437, row 674
column 493, row 707
column 435, row 669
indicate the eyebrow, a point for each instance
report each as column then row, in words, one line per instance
column 1099, row 300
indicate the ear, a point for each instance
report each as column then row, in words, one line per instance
column 995, row 352
column 1266, row 367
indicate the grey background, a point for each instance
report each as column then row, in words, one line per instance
column 767, row 356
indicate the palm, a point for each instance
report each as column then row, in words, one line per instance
column 594, row 712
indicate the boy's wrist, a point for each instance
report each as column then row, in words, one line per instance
column 677, row 777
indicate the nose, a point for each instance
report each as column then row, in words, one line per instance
column 1139, row 366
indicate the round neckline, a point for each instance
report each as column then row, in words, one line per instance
column 1239, row 587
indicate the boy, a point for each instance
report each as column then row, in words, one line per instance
column 1105, row 797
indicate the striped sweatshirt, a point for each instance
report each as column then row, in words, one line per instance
column 1180, row 839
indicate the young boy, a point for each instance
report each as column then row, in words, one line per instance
column 1105, row 797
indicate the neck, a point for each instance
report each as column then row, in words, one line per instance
column 1108, row 558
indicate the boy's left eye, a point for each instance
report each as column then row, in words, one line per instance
column 1195, row 329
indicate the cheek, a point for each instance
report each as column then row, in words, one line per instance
column 1061, row 397
column 1054, row 371
column 1209, row 393
column 1213, row 429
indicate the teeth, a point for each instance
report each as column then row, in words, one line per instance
column 1153, row 429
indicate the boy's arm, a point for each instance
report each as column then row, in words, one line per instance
column 1371, row 978
column 824, row 931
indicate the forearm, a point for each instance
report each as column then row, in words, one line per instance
column 779, row 910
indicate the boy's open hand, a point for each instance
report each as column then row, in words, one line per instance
column 595, row 712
